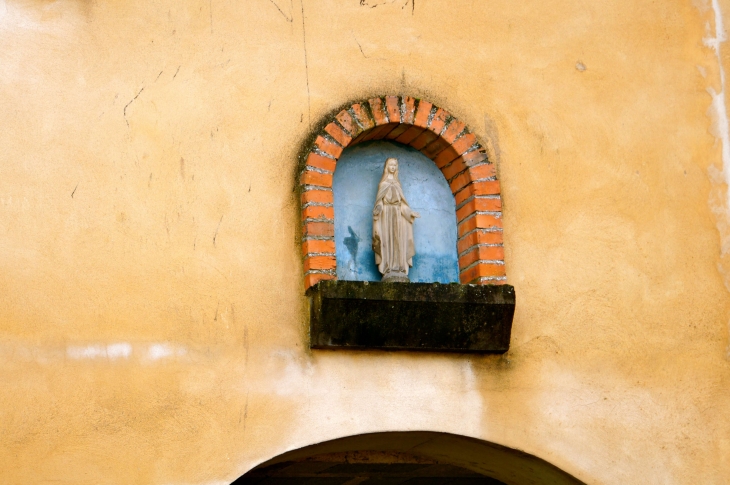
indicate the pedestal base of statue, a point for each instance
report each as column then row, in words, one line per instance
column 411, row 316
column 392, row 277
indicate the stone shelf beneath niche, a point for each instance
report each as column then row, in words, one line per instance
column 411, row 316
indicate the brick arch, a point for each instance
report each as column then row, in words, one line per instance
column 442, row 138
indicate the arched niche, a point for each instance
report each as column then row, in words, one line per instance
column 440, row 137
column 355, row 184
column 490, row 464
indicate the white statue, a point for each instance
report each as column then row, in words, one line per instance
column 393, row 227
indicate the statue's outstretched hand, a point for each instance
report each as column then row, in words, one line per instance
column 414, row 215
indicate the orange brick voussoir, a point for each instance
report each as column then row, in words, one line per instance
column 338, row 133
column 310, row 177
column 312, row 279
column 478, row 237
column 487, row 187
column 320, row 262
column 392, row 105
column 317, row 196
column 480, row 270
column 330, row 147
column 319, row 229
column 319, row 161
column 318, row 212
column 318, row 246
column 479, row 221
column 489, row 253
column 377, row 108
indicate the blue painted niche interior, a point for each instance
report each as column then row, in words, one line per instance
column 355, row 186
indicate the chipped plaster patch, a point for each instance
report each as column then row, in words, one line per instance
column 113, row 351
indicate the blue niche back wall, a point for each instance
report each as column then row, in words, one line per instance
column 355, row 186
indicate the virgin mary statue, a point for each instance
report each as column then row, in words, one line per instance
column 393, row 227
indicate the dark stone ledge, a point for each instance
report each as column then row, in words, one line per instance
column 411, row 316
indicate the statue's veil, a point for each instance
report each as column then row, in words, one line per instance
column 385, row 171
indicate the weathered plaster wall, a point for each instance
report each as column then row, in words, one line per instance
column 152, row 322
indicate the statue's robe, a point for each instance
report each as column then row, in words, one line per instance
column 392, row 229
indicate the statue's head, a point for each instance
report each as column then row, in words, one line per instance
column 390, row 169
column 391, row 165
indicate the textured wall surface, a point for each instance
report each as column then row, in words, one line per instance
column 152, row 319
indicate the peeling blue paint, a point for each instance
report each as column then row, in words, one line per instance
column 355, row 186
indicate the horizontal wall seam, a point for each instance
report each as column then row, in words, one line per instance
column 476, row 197
column 317, row 204
column 496, row 214
column 307, row 188
column 318, row 219
column 312, row 254
column 318, row 238
column 319, row 151
column 320, row 271
column 498, row 262
column 310, row 168
column 481, row 229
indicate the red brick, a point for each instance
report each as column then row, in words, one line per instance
column 398, row 131
column 319, row 161
column 409, row 111
column 454, row 130
column 321, row 196
column 329, row 147
column 478, row 204
column 483, row 171
column 320, row 262
column 310, row 177
column 454, row 168
column 377, row 108
column 381, row 131
column 478, row 237
column 490, row 253
column 439, row 145
column 392, row 105
column 422, row 114
column 314, row 278
column 362, row 116
column 487, row 187
column 439, row 121
column 319, row 229
column 345, row 119
column 336, row 132
column 457, row 148
column 423, row 139
column 471, row 177
column 359, row 138
column 477, row 156
column 479, row 221
column 481, row 270
column 409, row 135
column 318, row 212
column 318, row 246
column 459, row 182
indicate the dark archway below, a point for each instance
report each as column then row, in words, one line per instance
column 412, row 458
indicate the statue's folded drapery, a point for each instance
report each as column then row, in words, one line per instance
column 393, row 227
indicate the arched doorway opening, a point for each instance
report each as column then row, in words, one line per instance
column 412, row 458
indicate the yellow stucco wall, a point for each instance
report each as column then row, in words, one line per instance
column 152, row 320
